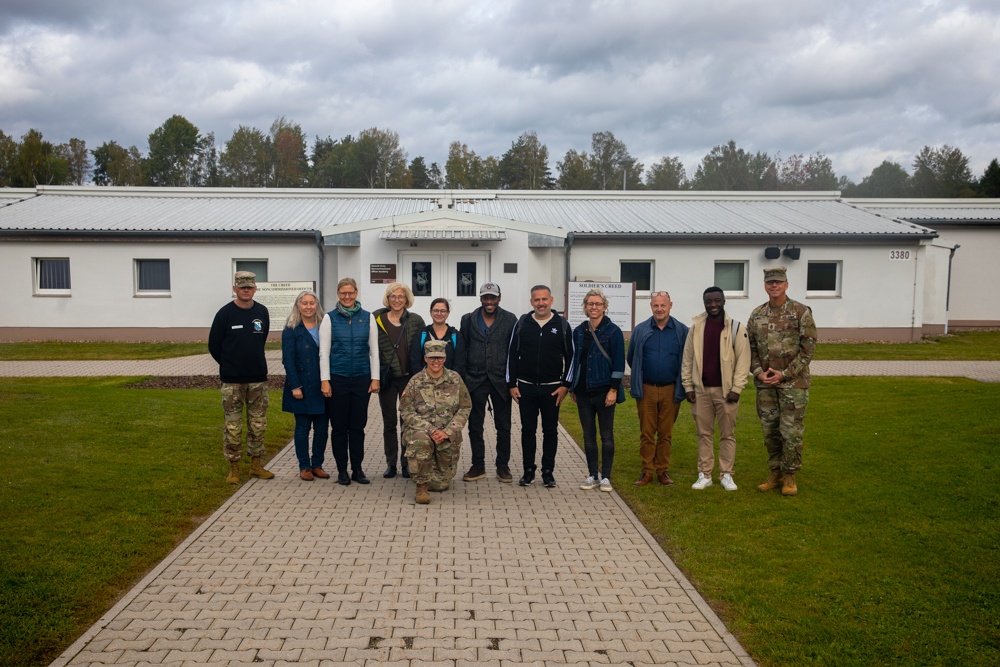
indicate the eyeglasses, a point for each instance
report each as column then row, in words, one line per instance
column 438, row 311
column 666, row 294
column 398, row 297
column 594, row 304
column 346, row 293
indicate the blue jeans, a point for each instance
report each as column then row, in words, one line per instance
column 303, row 424
column 593, row 412
column 538, row 400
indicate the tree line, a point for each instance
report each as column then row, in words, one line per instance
column 179, row 154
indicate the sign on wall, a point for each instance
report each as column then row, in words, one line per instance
column 280, row 298
column 901, row 255
column 621, row 302
column 383, row 273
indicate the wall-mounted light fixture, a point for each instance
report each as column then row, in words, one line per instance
column 772, row 252
column 413, row 244
column 475, row 244
column 792, row 253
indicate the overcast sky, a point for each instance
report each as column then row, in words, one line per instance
column 861, row 81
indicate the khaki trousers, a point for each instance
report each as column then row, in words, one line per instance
column 709, row 407
column 657, row 414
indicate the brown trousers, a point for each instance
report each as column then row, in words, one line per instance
column 657, row 414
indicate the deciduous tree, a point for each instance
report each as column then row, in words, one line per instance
column 812, row 174
column 8, row 160
column 727, row 167
column 247, row 159
column 38, row 163
column 611, row 165
column 381, row 160
column 115, row 165
column 667, row 174
column 291, row 169
column 77, row 157
column 175, row 150
column 575, row 171
column 889, row 179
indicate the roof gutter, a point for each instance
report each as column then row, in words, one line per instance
column 105, row 234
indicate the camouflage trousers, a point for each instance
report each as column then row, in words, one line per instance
column 430, row 463
column 781, row 412
column 252, row 396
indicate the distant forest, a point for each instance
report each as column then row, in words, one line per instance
column 179, row 154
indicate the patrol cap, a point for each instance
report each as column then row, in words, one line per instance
column 435, row 348
column 491, row 289
column 775, row 273
column 245, row 279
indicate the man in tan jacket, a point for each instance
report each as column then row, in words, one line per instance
column 714, row 371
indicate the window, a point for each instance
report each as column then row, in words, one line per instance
column 466, row 279
column 257, row 266
column 420, row 279
column 152, row 276
column 52, row 276
column 731, row 277
column 823, row 279
column 640, row 273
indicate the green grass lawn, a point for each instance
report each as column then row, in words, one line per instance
column 964, row 346
column 889, row 555
column 100, row 483
column 63, row 350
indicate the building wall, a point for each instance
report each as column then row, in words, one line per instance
column 103, row 297
column 975, row 275
column 879, row 298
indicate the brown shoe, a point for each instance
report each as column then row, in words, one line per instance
column 773, row 481
column 257, row 469
column 422, row 497
column 644, row 479
column 475, row 473
column 503, row 474
column 322, row 474
column 306, row 475
column 664, row 478
column 788, row 487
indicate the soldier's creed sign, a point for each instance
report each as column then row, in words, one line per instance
column 280, row 298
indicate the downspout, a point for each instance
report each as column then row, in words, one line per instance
column 947, row 294
column 569, row 253
column 322, row 265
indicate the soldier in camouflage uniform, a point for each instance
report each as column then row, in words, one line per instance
column 435, row 406
column 236, row 341
column 782, row 341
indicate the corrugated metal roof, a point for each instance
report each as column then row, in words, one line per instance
column 943, row 214
column 203, row 210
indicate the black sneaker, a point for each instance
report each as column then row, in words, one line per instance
column 528, row 478
column 548, row 480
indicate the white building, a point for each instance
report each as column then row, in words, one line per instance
column 156, row 264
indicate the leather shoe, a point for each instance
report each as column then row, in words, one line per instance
column 405, row 470
column 343, row 479
column 644, row 479
column 665, row 478
column 322, row 474
column 306, row 475
column 359, row 477
column 390, row 472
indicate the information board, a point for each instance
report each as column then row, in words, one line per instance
column 621, row 302
column 279, row 299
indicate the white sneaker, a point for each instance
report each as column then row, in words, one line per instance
column 589, row 483
column 704, row 481
column 606, row 485
column 727, row 482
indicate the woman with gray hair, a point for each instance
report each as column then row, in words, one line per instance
column 397, row 327
column 302, row 396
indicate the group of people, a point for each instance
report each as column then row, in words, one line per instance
column 432, row 379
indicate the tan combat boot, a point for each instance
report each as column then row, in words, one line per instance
column 257, row 469
column 422, row 498
column 788, row 487
column 234, row 473
column 773, row 481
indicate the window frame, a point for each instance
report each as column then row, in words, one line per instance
column 835, row 293
column 139, row 291
column 36, row 268
column 737, row 294
column 256, row 272
column 652, row 272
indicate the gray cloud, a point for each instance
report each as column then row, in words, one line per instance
column 859, row 81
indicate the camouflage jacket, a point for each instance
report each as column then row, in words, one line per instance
column 428, row 404
column 784, row 339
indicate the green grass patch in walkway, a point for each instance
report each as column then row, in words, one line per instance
column 100, row 483
column 889, row 555
column 102, row 351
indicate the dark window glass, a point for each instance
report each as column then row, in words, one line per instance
column 53, row 274
column 466, row 277
column 639, row 273
column 730, row 275
column 257, row 266
column 822, row 277
column 421, row 279
column 153, row 275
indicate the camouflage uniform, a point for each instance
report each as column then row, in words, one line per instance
column 428, row 405
column 234, row 396
column 782, row 338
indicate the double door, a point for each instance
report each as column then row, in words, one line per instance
column 455, row 276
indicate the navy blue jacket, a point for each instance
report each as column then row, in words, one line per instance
column 455, row 361
column 600, row 373
column 300, row 357
column 640, row 335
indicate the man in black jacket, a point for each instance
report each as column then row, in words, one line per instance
column 539, row 375
column 485, row 336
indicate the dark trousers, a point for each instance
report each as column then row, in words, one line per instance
column 477, row 419
column 348, row 410
column 592, row 413
column 388, row 400
column 318, row 425
column 538, row 400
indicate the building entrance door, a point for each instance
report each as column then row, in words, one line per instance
column 455, row 276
